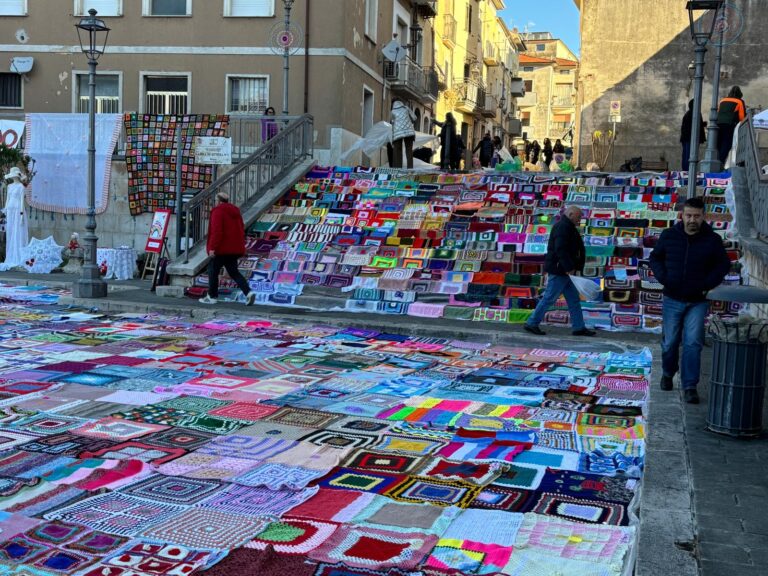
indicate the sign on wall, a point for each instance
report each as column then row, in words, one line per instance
column 10, row 132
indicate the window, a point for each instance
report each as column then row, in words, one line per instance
column 249, row 8
column 527, row 68
column 369, row 103
column 247, row 94
column 541, row 47
column 528, row 86
column 525, row 118
column 107, row 93
column 371, row 18
column 166, row 94
column 565, row 72
column 13, row 7
column 468, row 26
column 102, row 7
column 10, row 90
column 167, row 7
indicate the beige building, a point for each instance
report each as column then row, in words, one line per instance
column 477, row 56
column 219, row 56
column 549, row 71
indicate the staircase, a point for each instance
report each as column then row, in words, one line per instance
column 254, row 185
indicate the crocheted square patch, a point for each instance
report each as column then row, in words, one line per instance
column 351, row 479
column 293, row 535
column 369, row 548
column 173, row 489
column 437, row 492
column 207, row 528
column 116, row 429
column 380, row 462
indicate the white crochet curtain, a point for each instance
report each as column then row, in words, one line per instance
column 59, row 144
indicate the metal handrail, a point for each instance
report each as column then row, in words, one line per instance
column 748, row 155
column 247, row 181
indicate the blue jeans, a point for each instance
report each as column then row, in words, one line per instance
column 557, row 285
column 683, row 322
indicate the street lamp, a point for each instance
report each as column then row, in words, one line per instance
column 700, row 38
column 287, row 5
column 92, row 34
column 711, row 162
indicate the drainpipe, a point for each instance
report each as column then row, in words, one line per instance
column 306, row 58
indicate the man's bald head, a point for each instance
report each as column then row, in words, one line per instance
column 573, row 213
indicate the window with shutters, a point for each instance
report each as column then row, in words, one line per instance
column 247, row 94
column 10, row 90
column 167, row 7
column 371, row 18
column 102, row 7
column 165, row 94
column 528, row 86
column 525, row 118
column 249, row 8
column 107, row 93
column 13, row 7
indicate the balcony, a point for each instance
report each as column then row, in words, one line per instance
column 514, row 127
column 442, row 81
column 558, row 129
column 409, row 79
column 528, row 100
column 490, row 107
column 471, row 95
column 449, row 31
column 517, row 88
column 432, row 84
column 491, row 54
column 563, row 101
column 426, row 8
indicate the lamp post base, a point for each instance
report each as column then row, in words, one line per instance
column 89, row 288
column 711, row 166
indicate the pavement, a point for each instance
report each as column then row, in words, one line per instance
column 703, row 503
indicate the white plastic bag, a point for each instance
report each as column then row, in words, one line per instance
column 586, row 287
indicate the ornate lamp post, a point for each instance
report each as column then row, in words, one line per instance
column 700, row 38
column 92, row 33
column 711, row 162
column 287, row 5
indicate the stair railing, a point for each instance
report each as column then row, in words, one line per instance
column 247, row 181
column 748, row 155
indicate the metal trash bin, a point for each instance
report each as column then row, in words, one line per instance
column 737, row 385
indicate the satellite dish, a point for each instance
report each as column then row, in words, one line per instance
column 22, row 64
column 394, row 52
column 729, row 24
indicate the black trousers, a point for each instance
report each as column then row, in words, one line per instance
column 230, row 263
column 398, row 145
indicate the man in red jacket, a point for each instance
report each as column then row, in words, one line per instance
column 226, row 244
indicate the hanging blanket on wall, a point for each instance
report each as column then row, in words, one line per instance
column 150, row 157
column 59, row 144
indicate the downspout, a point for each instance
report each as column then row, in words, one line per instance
column 306, row 58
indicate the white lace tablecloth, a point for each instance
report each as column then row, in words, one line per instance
column 121, row 262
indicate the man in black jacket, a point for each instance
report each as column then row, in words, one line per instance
column 486, row 150
column 689, row 260
column 565, row 255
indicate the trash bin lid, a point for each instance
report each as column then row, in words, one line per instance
column 746, row 294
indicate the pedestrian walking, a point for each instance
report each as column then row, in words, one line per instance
column 685, row 134
column 535, row 151
column 548, row 152
column 458, row 152
column 403, row 133
column 730, row 112
column 269, row 127
column 448, row 141
column 485, row 146
column 558, row 148
column 565, row 255
column 689, row 260
column 226, row 244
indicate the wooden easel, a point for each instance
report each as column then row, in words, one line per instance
column 153, row 261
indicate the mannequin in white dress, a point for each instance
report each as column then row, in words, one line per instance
column 16, row 225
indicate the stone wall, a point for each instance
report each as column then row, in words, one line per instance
column 638, row 51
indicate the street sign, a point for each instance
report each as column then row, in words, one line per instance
column 615, row 118
column 615, row 108
column 393, row 51
column 213, row 150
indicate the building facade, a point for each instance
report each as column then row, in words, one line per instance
column 638, row 53
column 223, row 56
column 549, row 71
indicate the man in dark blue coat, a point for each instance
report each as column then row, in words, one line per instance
column 689, row 260
column 565, row 255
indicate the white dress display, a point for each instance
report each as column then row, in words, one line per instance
column 16, row 227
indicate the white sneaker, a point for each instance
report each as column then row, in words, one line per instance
column 207, row 300
column 250, row 299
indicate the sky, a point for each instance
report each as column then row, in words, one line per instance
column 560, row 17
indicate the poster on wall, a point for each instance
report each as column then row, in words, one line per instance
column 10, row 132
column 157, row 231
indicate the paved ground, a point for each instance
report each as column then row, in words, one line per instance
column 703, row 508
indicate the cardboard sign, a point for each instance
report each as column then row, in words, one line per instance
column 213, row 150
column 157, row 231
